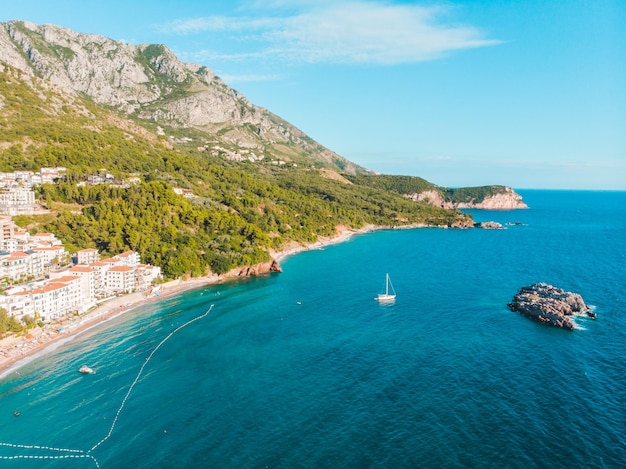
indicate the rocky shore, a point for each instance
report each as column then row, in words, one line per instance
column 489, row 225
column 550, row 305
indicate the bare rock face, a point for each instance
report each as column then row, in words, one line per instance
column 431, row 197
column 265, row 267
column 99, row 67
column 507, row 200
column 150, row 82
column 550, row 305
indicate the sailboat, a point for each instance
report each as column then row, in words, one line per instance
column 390, row 293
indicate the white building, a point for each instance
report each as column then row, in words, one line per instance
column 100, row 269
column 129, row 258
column 87, row 256
column 88, row 282
column 22, row 236
column 145, row 275
column 17, row 200
column 12, row 245
column 111, row 261
column 46, row 239
column 14, row 266
column 18, row 303
column 57, row 299
column 19, row 265
column 29, row 179
column 120, row 279
column 51, row 254
column 7, row 232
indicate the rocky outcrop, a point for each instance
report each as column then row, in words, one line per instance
column 250, row 271
column 550, row 305
column 462, row 222
column 489, row 225
column 431, row 197
column 506, row 200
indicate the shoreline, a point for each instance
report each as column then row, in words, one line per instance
column 18, row 351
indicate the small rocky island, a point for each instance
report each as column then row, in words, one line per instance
column 550, row 305
column 489, row 225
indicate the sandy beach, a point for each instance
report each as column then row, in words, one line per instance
column 18, row 350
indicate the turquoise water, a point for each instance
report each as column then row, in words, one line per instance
column 304, row 369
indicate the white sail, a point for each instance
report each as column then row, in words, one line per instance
column 390, row 292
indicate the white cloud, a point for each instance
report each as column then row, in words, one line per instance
column 251, row 77
column 221, row 24
column 357, row 32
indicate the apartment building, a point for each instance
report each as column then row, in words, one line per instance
column 120, row 279
column 73, row 290
column 17, row 200
column 7, row 229
column 87, row 256
column 57, row 299
column 129, row 258
column 51, row 254
column 88, row 282
column 145, row 275
column 46, row 239
column 18, row 303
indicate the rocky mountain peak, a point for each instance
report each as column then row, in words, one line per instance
column 149, row 82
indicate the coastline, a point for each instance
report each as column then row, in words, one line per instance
column 17, row 351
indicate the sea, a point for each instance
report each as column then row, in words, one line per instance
column 303, row 369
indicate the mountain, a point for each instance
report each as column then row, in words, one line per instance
column 200, row 179
column 148, row 82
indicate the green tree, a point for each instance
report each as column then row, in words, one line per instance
column 8, row 323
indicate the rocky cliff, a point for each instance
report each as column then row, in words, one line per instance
column 150, row 83
column 432, row 197
column 504, row 199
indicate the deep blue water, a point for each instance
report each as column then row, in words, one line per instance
column 304, row 369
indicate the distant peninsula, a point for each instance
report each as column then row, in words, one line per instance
column 419, row 190
column 495, row 198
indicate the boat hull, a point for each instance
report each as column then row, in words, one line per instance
column 385, row 297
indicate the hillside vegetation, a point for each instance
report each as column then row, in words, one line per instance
column 408, row 185
column 240, row 211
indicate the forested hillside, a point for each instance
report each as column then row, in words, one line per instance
column 239, row 209
column 408, row 185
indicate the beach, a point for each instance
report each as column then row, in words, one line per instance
column 18, row 350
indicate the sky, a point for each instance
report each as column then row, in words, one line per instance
column 528, row 93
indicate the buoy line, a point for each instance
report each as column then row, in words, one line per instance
column 132, row 386
column 80, row 453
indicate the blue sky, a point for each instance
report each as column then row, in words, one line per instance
column 529, row 94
